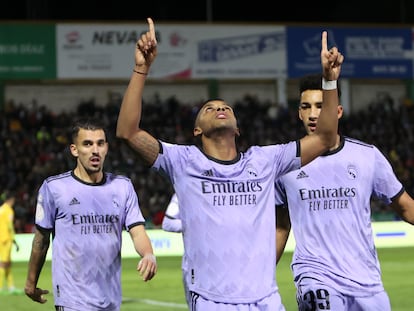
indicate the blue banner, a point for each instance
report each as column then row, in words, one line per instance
column 369, row 52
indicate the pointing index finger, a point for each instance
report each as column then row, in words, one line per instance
column 151, row 28
column 324, row 41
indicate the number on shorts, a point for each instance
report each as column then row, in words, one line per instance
column 318, row 300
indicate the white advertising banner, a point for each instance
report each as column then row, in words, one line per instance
column 241, row 52
column 386, row 234
column 106, row 51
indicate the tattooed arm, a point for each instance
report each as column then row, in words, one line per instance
column 40, row 246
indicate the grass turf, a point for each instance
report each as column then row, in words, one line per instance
column 165, row 291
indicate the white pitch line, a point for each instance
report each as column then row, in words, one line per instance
column 156, row 303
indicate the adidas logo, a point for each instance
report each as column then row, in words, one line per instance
column 207, row 173
column 74, row 201
column 302, row 174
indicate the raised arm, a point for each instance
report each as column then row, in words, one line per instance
column 128, row 125
column 327, row 128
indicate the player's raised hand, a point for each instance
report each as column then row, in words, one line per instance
column 146, row 48
column 331, row 59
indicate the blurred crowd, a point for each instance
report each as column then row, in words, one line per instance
column 34, row 144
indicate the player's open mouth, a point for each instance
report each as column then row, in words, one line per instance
column 95, row 160
column 312, row 126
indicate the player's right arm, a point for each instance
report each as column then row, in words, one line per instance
column 128, row 125
column 40, row 246
column 311, row 146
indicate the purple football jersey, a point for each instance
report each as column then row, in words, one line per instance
column 87, row 222
column 329, row 206
column 227, row 210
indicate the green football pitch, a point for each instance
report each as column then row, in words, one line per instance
column 165, row 291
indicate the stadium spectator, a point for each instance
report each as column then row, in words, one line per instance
column 86, row 210
column 20, row 152
column 327, row 204
column 231, row 228
column 22, row 159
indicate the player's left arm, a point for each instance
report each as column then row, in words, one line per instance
column 403, row 205
column 147, row 266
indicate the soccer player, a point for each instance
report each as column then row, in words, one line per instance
column 86, row 211
column 335, row 264
column 227, row 198
column 172, row 223
column 6, row 242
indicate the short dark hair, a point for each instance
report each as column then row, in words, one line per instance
column 313, row 82
column 86, row 124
